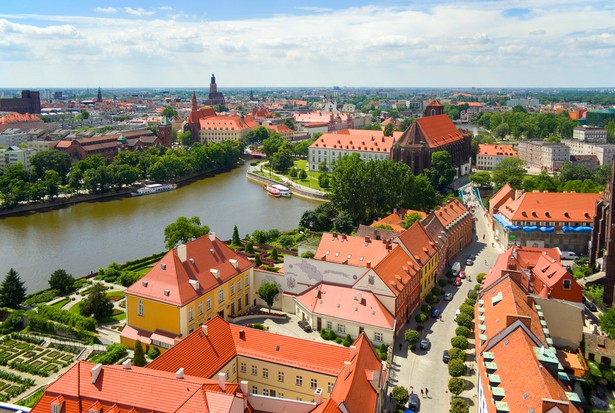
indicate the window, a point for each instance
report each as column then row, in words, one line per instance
column 313, row 384
column 232, row 288
column 299, row 381
column 281, row 376
column 281, row 395
column 239, row 304
column 209, row 303
column 191, row 314
column 341, row 328
column 378, row 336
column 247, row 300
column 200, row 307
column 246, row 281
column 329, row 387
column 140, row 308
column 329, row 325
column 254, row 390
column 567, row 284
column 254, row 370
column 265, row 373
column 161, row 344
column 221, row 296
column 265, row 392
column 239, row 284
column 242, row 367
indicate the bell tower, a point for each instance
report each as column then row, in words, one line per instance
column 213, row 88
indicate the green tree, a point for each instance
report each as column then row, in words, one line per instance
column 51, row 160
column 607, row 322
column 456, row 368
column 290, row 123
column 342, row 223
column 482, row 178
column 274, row 254
column 258, row 134
column 12, row 290
column 456, row 385
column 62, row 281
column 459, row 341
column 169, row 112
column 457, row 353
column 462, row 331
column 153, row 352
column 272, row 144
column 459, row 405
column 302, row 175
column 267, row 292
column 185, row 137
column 412, row 337
column 236, row 240
column 282, row 160
column 508, row 170
column 464, row 320
column 257, row 261
column 388, row 129
column 401, row 395
column 139, row 357
column 183, row 230
column 442, row 171
column 502, row 130
column 468, row 309
column 52, row 182
column 97, row 304
column 411, row 218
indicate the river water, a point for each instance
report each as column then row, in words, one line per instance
column 84, row 237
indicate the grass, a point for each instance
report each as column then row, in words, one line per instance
column 312, row 177
column 76, row 308
column 61, row 303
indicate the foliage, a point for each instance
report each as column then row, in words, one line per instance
column 62, row 281
column 459, row 342
column 425, row 308
column 319, row 219
column 272, row 144
column 459, row 405
column 40, row 297
column 462, row 331
column 401, row 395
column 456, row 385
column 456, row 367
column 139, row 357
column 412, row 337
column 31, row 400
column 12, row 290
column 420, row 318
column 235, row 240
column 457, row 353
column 183, row 230
column 473, row 294
column 411, row 218
column 442, row 282
column 430, row 298
column 97, row 304
column 480, row 277
column 169, row 112
column 508, row 171
column 529, row 125
column 267, row 292
column 347, row 341
column 464, row 320
column 470, row 301
column 68, row 318
column 482, row 178
column 607, row 322
column 342, row 223
column 442, row 172
column 308, row 254
column 14, row 322
column 114, row 353
column 468, row 309
column 274, row 254
column 324, row 181
column 594, row 293
column 436, row 291
column 257, row 261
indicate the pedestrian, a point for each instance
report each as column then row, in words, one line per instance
column 421, row 392
column 440, row 317
column 426, row 392
column 390, row 396
column 483, row 236
column 485, row 262
column 399, row 346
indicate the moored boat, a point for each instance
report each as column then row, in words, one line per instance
column 154, row 189
column 277, row 190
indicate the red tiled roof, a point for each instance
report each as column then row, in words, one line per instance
column 450, row 212
column 351, row 250
column 396, row 219
column 438, row 130
column 172, row 275
column 501, row 196
column 196, row 116
column 417, row 242
column 227, row 123
column 551, row 207
column 496, row 150
column 357, row 140
column 397, row 269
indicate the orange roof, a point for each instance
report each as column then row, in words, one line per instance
column 500, row 197
column 471, row 104
column 397, row 270
column 203, row 113
column 321, row 117
column 451, row 211
column 418, row 243
column 233, row 122
column 351, row 250
column 397, row 219
column 433, row 131
column 496, row 150
column 280, row 128
column 180, row 277
column 356, row 140
column 14, row 117
column 551, row 207
column 119, row 389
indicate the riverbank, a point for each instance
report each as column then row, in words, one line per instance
column 294, row 187
column 59, row 203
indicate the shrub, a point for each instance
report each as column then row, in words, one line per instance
column 459, row 405
column 347, row 341
column 114, row 353
column 332, row 335
column 139, row 357
column 40, row 297
column 477, row 287
column 456, row 368
column 401, row 395
column 436, row 291
column 339, row 340
column 470, row 302
column 472, row 294
column 430, row 299
column 14, row 322
column 412, row 337
column 442, row 282
column 274, row 254
column 421, row 318
column 28, row 368
column 457, row 353
column 68, row 318
column 462, row 331
column 459, row 342
column 480, row 277
column 324, row 181
column 323, row 334
column 425, row 308
column 449, row 274
column 456, row 385
column 467, row 309
column 293, row 172
column 286, row 241
column 308, row 254
column 464, row 320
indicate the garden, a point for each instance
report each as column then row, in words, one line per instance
column 31, row 357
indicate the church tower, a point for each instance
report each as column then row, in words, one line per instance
column 434, row 108
column 194, row 107
column 99, row 96
column 213, row 88
column 165, row 132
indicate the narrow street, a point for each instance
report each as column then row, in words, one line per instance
column 425, row 369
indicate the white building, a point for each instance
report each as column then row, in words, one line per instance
column 605, row 152
column 14, row 155
column 590, row 135
column 488, row 156
column 543, row 154
column 13, row 137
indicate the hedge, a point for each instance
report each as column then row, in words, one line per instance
column 114, row 353
column 68, row 318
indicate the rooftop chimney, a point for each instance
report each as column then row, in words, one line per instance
column 353, row 351
column 234, row 263
column 368, row 264
column 126, row 364
column 242, row 334
column 222, row 380
column 204, row 328
column 212, row 236
column 347, row 368
column 163, row 266
column 318, row 396
column 96, row 371
column 180, row 373
column 182, row 253
column 243, row 385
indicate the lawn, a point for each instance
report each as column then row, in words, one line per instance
column 312, row 177
column 61, row 303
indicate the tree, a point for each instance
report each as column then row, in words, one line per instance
column 290, row 123
column 342, row 223
column 62, row 281
column 267, row 292
column 388, row 130
column 258, row 134
column 459, row 342
column 508, row 170
column 607, row 322
column 169, row 112
column 97, row 304
column 185, row 137
column 153, row 352
column 482, row 179
column 401, row 395
column 51, row 160
column 456, row 385
column 459, row 405
column 272, row 144
column 468, row 309
column 274, row 254
column 282, row 160
column 12, row 290
column 464, row 320
column 412, row 337
column 456, row 367
column 139, row 357
column 462, row 331
column 442, row 171
column 257, row 261
column 457, row 353
column 183, row 230
column 411, row 218
column 302, row 175
column 236, row 240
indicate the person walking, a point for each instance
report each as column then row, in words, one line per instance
column 400, row 345
column 421, row 392
column 426, row 392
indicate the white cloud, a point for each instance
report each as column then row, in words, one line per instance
column 138, row 12
column 64, row 31
column 538, row 32
column 166, row 8
column 314, row 9
column 107, row 10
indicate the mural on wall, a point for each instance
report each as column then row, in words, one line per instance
column 371, row 282
column 300, row 274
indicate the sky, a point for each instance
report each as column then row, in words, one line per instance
column 309, row 43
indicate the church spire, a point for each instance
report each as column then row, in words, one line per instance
column 194, row 108
column 99, row 95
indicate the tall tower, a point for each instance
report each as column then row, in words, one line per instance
column 99, row 96
column 194, row 108
column 213, row 88
column 434, row 108
column 165, row 132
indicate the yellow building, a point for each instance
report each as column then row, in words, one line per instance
column 191, row 284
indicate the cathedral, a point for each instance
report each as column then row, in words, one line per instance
column 215, row 97
column 432, row 133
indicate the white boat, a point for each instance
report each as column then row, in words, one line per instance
column 154, row 189
column 284, row 191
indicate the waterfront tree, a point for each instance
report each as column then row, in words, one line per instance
column 12, row 290
column 97, row 304
column 267, row 292
column 183, row 230
column 258, row 134
column 62, row 281
column 273, row 144
column 185, row 137
column 51, row 160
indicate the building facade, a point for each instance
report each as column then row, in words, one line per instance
column 14, row 155
column 589, row 134
column 604, row 152
column 458, row 225
column 29, row 102
column 488, row 156
column 214, row 97
column 541, row 154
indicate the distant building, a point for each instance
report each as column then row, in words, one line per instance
column 590, row 142
column 589, row 134
column 13, row 137
column 590, row 162
column 108, row 145
column 30, row 102
column 193, row 121
column 224, row 128
column 13, row 155
column 488, row 156
column 25, row 122
column 165, row 132
column 525, row 102
column 215, row 97
column 600, row 117
column 99, row 98
column 542, row 154
column 432, row 133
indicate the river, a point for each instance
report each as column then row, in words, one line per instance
column 84, row 237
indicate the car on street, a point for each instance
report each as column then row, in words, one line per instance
column 469, row 262
column 446, row 357
column 414, row 402
column 435, row 313
column 462, row 275
column 591, row 306
column 425, row 344
column 448, row 296
column 305, row 326
column 457, row 282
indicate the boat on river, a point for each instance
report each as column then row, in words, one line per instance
column 154, row 189
column 277, row 190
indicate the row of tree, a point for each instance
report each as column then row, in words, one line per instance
column 520, row 124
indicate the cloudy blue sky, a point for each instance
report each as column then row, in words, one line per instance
column 277, row 43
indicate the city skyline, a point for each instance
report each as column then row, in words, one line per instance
column 120, row 44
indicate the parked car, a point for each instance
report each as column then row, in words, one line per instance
column 456, row 267
column 462, row 275
column 472, row 257
column 435, row 313
column 425, row 344
column 305, row 326
column 448, row 296
column 446, row 357
column 456, row 314
column 469, row 262
column 457, row 282
column 414, row 403
column 591, row 306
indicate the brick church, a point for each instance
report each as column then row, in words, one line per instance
column 215, row 97
column 432, row 133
